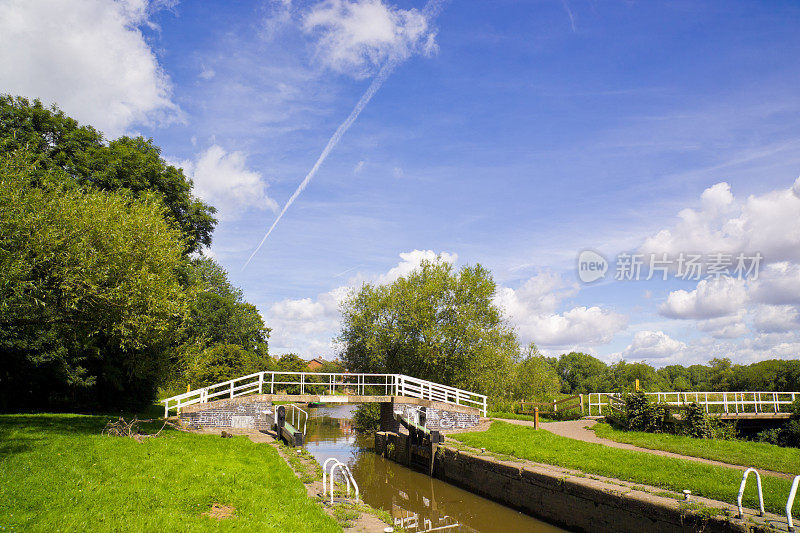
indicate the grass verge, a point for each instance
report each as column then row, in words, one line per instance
column 515, row 416
column 57, row 473
column 735, row 452
column 715, row 482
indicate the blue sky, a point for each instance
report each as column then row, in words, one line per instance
column 511, row 134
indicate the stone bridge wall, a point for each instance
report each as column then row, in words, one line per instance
column 243, row 412
column 439, row 416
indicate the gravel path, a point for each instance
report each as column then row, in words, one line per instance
column 579, row 430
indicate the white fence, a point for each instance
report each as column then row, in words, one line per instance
column 721, row 403
column 328, row 384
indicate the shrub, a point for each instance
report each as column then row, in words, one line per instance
column 643, row 415
column 367, row 417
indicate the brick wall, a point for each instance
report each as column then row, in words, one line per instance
column 437, row 418
column 228, row 414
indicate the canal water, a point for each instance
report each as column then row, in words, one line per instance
column 421, row 502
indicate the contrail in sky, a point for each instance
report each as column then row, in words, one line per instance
column 431, row 10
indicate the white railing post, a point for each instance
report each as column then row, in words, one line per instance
column 260, row 382
column 790, row 502
column 741, row 491
column 272, row 383
column 231, row 389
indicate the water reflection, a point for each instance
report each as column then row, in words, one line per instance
column 415, row 501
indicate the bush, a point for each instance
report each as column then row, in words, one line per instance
column 788, row 434
column 643, row 415
column 367, row 417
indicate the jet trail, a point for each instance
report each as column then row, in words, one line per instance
column 431, row 10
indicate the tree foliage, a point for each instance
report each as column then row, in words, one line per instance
column 436, row 323
column 89, row 289
column 132, row 164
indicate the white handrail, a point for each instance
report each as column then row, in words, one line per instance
column 790, row 503
column 389, row 384
column 761, row 403
column 741, row 491
column 295, row 414
column 347, row 474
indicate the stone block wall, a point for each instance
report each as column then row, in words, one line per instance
column 436, row 418
column 573, row 502
column 233, row 413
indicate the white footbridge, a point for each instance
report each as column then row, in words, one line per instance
column 330, row 387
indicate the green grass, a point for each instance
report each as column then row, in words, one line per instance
column 515, row 416
column 735, row 452
column 57, row 473
column 715, row 482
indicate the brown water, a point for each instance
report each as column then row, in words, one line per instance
column 411, row 496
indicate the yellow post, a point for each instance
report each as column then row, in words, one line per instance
column 189, row 387
column 535, row 418
column 637, row 385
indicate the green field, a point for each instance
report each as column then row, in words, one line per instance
column 57, row 473
column 736, row 452
column 715, row 482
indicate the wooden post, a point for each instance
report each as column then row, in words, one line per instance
column 535, row 418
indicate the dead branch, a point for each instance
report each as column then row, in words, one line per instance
column 132, row 429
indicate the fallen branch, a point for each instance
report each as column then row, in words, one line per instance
column 132, row 429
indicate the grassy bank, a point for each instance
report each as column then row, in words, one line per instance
column 541, row 446
column 515, row 416
column 736, row 452
column 57, row 473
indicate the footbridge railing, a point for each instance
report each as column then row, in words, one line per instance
column 721, row 403
column 329, row 384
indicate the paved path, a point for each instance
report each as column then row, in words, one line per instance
column 578, row 430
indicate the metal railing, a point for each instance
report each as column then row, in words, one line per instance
column 345, row 472
column 328, row 384
column 727, row 403
column 297, row 418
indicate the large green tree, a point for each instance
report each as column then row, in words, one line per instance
column 225, row 337
column 131, row 164
column 534, row 377
column 90, row 295
column 436, row 323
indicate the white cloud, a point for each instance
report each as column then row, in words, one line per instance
column 223, row 180
column 356, row 36
column 577, row 327
column 725, row 327
column 653, row 345
column 87, row 56
column 279, row 15
column 532, row 310
column 207, row 73
column 711, row 299
column 359, row 167
column 776, row 318
column 411, row 260
column 778, row 283
column 769, row 224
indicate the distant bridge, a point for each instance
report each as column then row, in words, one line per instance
column 329, row 388
column 727, row 405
